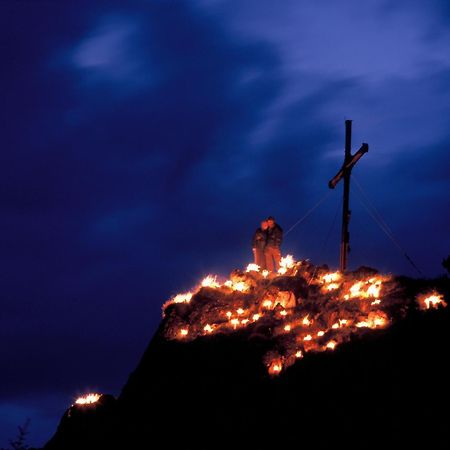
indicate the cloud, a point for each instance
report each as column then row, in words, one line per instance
column 102, row 214
column 111, row 54
column 373, row 40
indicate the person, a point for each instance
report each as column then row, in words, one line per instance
column 272, row 250
column 259, row 244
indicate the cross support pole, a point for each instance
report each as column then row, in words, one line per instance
column 345, row 236
column 345, row 173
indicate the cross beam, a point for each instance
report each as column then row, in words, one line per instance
column 344, row 173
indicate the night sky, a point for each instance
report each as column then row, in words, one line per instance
column 142, row 143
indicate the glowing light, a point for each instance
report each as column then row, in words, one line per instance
column 227, row 311
column 234, row 322
column 267, row 304
column 433, row 300
column 179, row 298
column 332, row 286
column 373, row 321
column 211, row 282
column 331, row 277
column 355, row 290
column 340, row 323
column 286, row 263
column 208, row 328
column 275, row 367
column 367, row 289
column 240, row 286
column 306, row 321
column 252, row 268
column 88, row 399
column 183, row 298
column 379, row 321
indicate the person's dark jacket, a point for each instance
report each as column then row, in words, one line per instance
column 259, row 239
column 274, row 236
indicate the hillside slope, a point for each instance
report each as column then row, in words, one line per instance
column 382, row 385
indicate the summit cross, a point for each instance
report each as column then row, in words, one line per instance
column 344, row 173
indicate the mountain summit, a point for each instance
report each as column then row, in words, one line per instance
column 305, row 355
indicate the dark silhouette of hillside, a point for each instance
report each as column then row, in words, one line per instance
column 388, row 388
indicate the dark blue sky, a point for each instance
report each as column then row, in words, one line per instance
column 142, row 142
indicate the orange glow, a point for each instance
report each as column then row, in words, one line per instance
column 332, row 286
column 210, row 281
column 267, row 304
column 183, row 298
column 355, row 290
column 179, row 298
column 373, row 321
column 432, row 300
column 329, row 280
column 286, row 263
column 340, row 323
column 208, row 328
column 240, row 286
column 275, row 367
column 234, row 322
column 290, row 308
column 369, row 288
column 87, row 399
column 252, row 268
column 331, row 277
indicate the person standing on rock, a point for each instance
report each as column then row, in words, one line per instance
column 272, row 250
column 259, row 244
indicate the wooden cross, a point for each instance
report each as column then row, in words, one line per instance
column 345, row 172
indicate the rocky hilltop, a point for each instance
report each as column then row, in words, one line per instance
column 304, row 356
